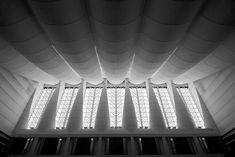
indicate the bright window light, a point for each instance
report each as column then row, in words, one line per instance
column 141, row 105
column 192, row 106
column 38, row 108
column 90, row 106
column 116, row 97
column 166, row 106
column 65, row 106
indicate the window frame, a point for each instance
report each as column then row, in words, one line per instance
column 62, row 124
column 118, row 116
column 33, row 113
column 91, row 116
column 196, row 107
column 166, row 106
column 138, row 106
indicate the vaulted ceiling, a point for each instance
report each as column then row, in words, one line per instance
column 68, row 40
column 53, row 40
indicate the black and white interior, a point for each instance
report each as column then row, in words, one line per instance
column 117, row 77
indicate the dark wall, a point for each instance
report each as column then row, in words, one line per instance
column 4, row 141
column 229, row 142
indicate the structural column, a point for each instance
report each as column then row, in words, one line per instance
column 102, row 117
column 129, row 117
column 184, row 119
column 156, row 118
column 75, row 119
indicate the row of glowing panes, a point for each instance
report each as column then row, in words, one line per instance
column 90, row 106
column 140, row 101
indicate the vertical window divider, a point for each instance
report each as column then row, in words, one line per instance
column 92, row 146
column 140, row 146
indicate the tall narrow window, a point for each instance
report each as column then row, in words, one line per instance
column 141, row 104
column 116, row 97
column 38, row 108
column 65, row 106
column 192, row 106
column 166, row 106
column 90, row 106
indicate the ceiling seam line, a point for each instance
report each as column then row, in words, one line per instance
column 101, row 69
column 71, row 68
column 164, row 63
column 131, row 66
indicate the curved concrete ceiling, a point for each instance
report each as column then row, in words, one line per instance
column 162, row 40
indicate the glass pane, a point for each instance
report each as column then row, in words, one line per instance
column 116, row 97
column 38, row 108
column 166, row 106
column 65, row 106
column 90, row 106
column 193, row 108
column 141, row 105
